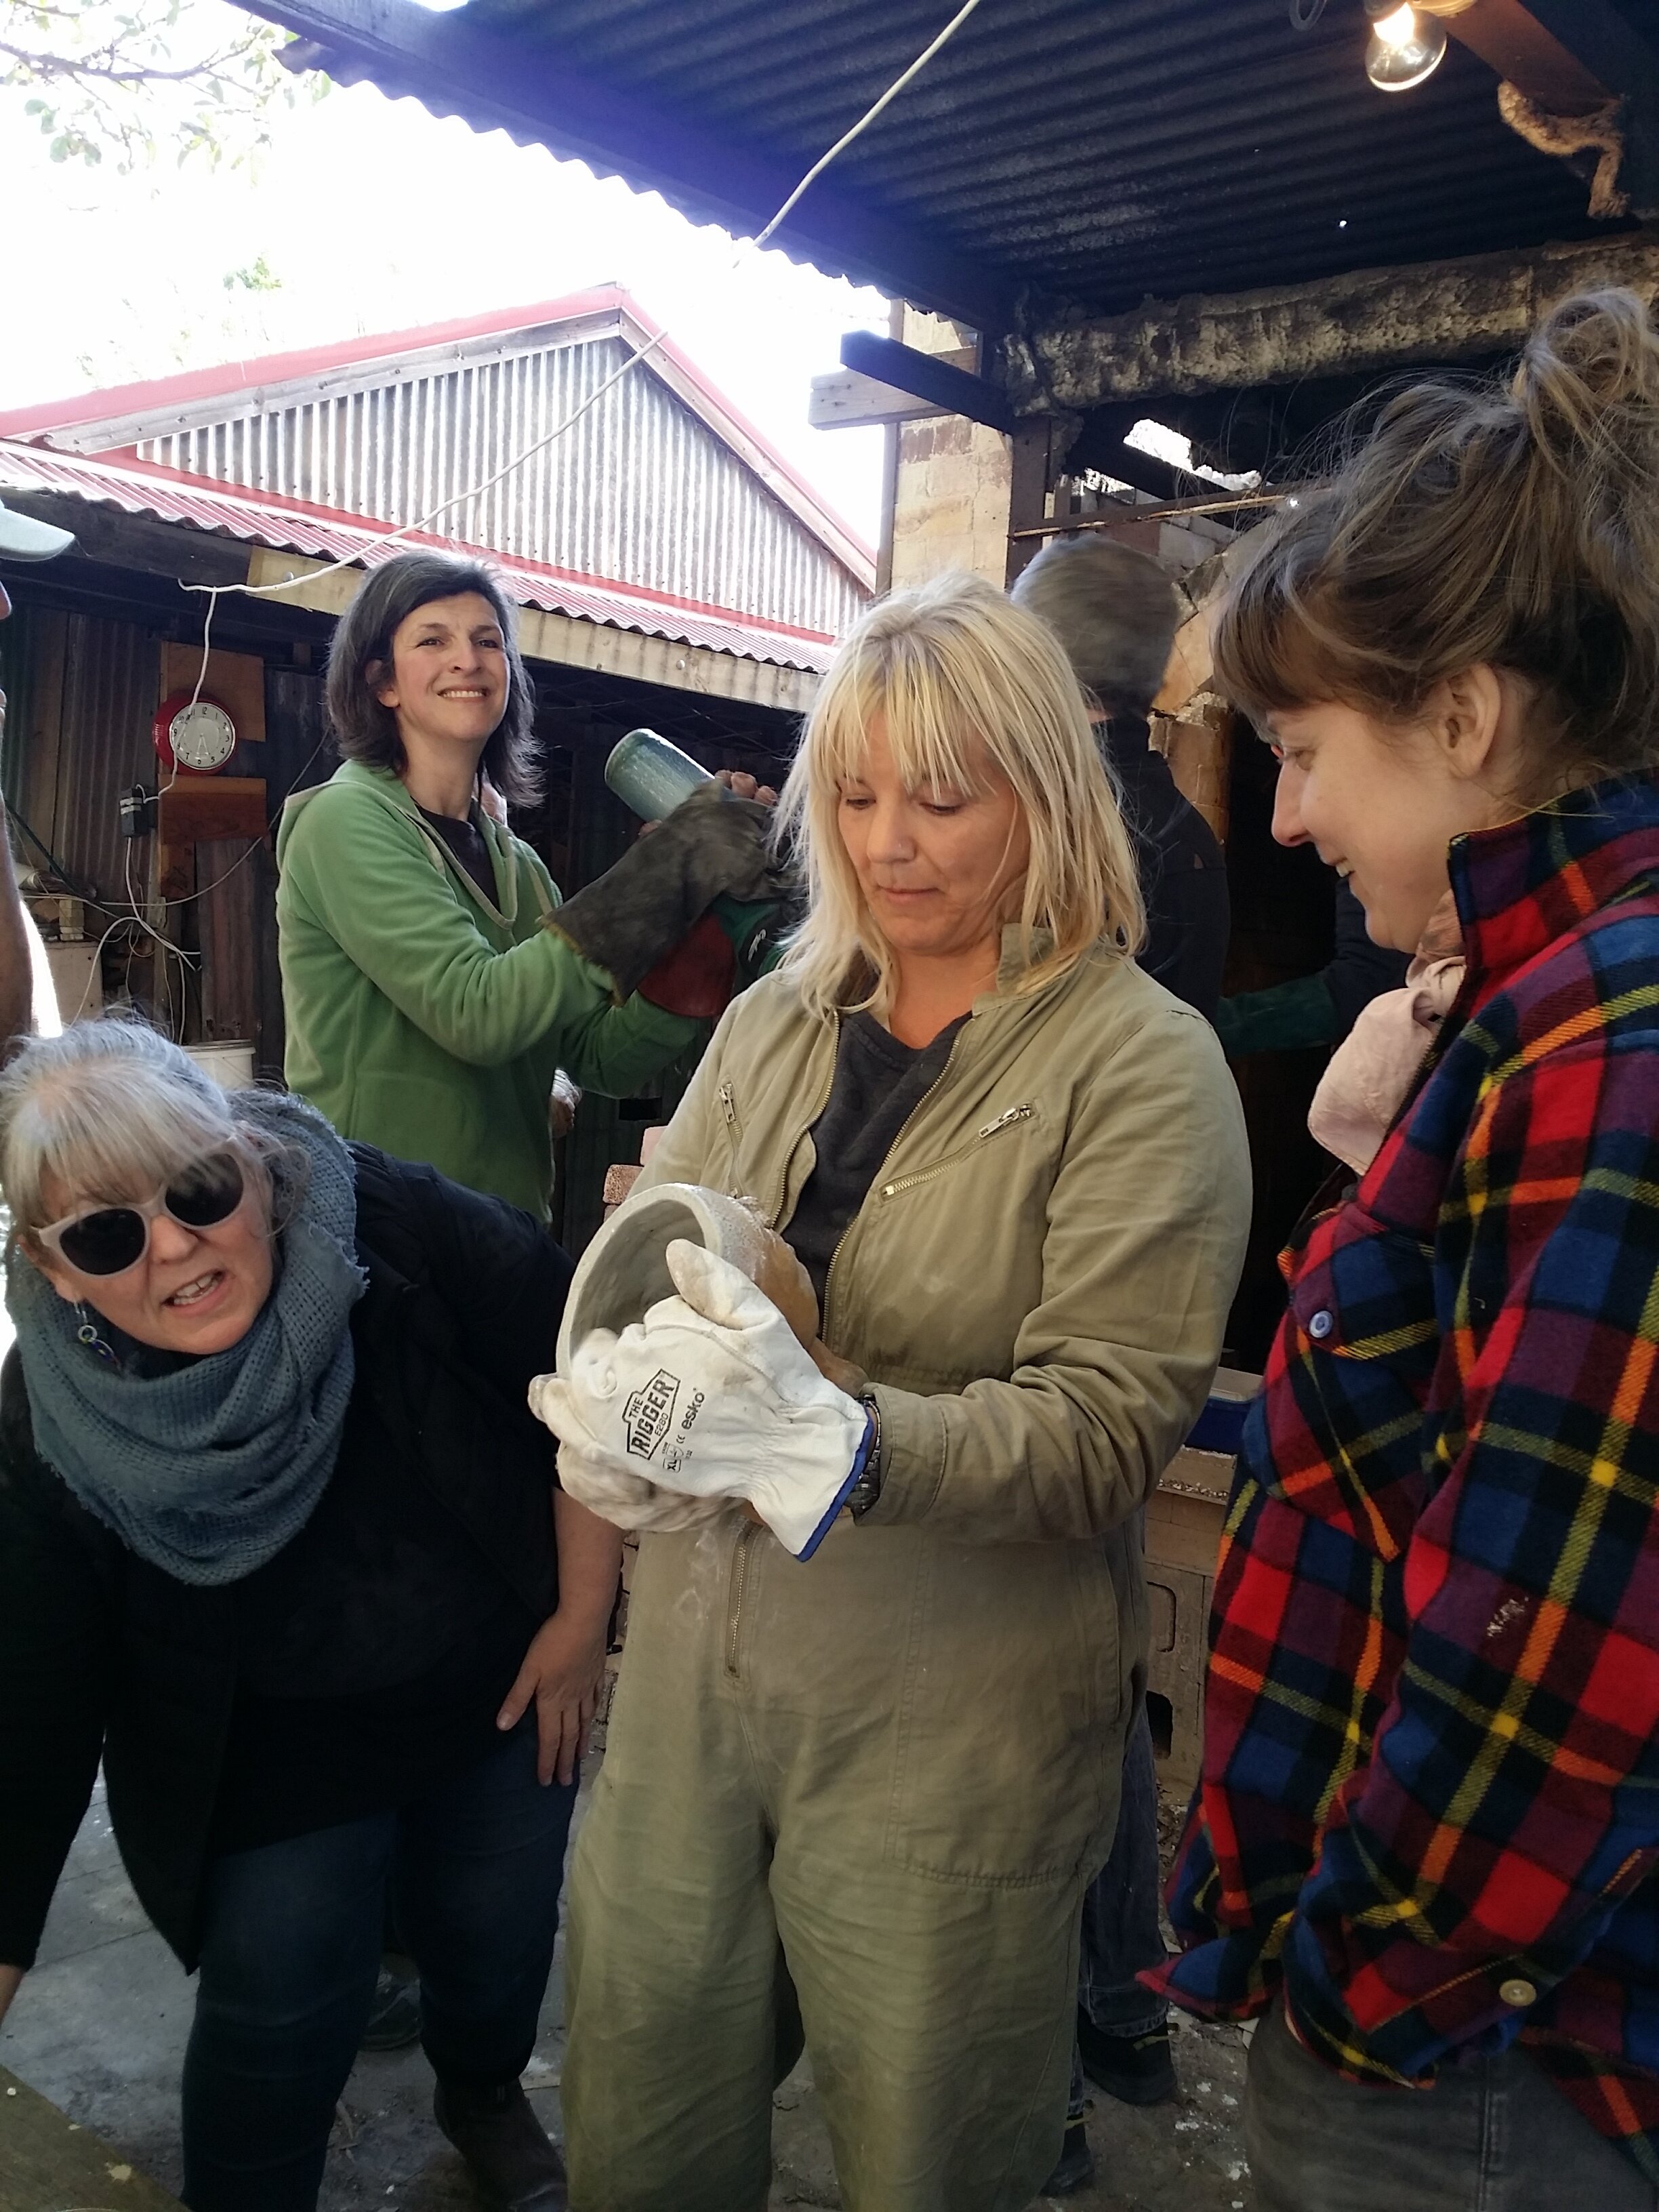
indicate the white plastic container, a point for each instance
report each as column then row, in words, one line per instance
column 231, row 1066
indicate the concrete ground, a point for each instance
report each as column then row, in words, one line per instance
column 99, row 2027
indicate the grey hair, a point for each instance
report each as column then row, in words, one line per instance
column 109, row 1110
column 1114, row 611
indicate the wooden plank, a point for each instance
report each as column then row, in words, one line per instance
column 47, row 2162
column 568, row 642
column 229, row 930
column 928, row 376
column 846, row 400
column 198, row 808
column 236, row 680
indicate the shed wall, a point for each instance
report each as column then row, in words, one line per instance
column 639, row 491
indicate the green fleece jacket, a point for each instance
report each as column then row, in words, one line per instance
column 424, row 1018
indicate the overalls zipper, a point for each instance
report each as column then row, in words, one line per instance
column 746, row 1536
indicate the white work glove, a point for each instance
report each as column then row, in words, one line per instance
column 610, row 1488
column 713, row 1397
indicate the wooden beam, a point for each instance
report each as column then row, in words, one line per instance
column 1509, row 39
column 570, row 643
column 845, row 400
column 1367, row 320
column 1028, row 480
column 1604, row 41
column 1607, row 45
column 948, row 389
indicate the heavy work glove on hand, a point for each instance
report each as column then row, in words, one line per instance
column 611, row 1489
column 712, row 1397
column 637, row 911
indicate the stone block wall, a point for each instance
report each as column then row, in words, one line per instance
column 951, row 479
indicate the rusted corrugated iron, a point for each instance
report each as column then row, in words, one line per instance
column 88, row 707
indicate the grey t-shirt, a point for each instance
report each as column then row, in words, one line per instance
column 879, row 1083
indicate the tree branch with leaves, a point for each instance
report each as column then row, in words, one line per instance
column 129, row 81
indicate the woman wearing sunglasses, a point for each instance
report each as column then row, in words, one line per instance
column 279, row 1544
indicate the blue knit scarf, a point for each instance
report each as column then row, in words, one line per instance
column 208, row 1471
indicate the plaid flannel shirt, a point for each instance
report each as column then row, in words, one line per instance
column 1430, row 1802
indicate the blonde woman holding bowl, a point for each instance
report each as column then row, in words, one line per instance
column 855, row 1802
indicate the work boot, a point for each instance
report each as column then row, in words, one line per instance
column 1136, row 2069
column 1076, row 2168
column 504, row 2144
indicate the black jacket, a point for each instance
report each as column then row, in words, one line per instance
column 103, row 1654
column 1183, row 872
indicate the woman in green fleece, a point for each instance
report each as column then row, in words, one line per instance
column 434, row 981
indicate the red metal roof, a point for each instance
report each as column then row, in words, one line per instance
column 291, row 526
column 228, row 380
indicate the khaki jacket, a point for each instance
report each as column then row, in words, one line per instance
column 1039, row 1281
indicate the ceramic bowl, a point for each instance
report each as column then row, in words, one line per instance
column 624, row 1271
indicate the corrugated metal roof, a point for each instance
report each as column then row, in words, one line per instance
column 234, row 393
column 296, row 526
column 1100, row 150
column 639, row 490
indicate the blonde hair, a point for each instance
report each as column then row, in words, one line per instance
column 110, row 1111
column 956, row 675
column 1513, row 522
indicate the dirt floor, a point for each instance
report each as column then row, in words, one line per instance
column 99, row 2027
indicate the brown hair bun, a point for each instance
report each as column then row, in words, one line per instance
column 1514, row 522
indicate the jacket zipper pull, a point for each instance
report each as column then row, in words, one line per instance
column 724, row 1094
column 1014, row 1114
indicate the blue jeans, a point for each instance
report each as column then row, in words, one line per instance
column 1120, row 1934
column 291, row 1946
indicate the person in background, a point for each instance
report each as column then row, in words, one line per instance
column 859, row 1800
column 280, row 1546
column 434, row 981
column 1424, row 1851
column 1116, row 613
column 1319, row 1009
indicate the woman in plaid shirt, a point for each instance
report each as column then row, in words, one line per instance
column 1423, row 1847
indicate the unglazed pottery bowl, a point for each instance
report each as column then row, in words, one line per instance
column 624, row 1271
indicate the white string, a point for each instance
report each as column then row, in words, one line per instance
column 870, row 115
column 214, row 592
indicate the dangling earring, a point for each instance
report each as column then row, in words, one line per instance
column 88, row 1334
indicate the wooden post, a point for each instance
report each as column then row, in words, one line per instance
column 1028, row 490
column 48, row 2161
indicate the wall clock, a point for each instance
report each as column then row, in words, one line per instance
column 195, row 740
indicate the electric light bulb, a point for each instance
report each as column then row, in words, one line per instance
column 1399, row 28
column 1404, row 48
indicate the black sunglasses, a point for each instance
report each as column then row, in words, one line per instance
column 108, row 1240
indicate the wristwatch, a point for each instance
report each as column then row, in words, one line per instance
column 865, row 1490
